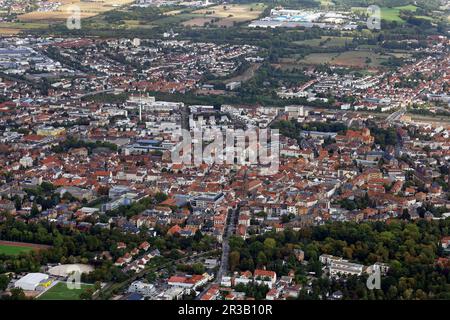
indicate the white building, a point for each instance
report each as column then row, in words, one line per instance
column 26, row 161
column 31, row 281
column 145, row 289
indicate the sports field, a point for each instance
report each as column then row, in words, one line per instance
column 60, row 292
column 14, row 248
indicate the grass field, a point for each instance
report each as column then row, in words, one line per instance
column 389, row 14
column 60, row 292
column 13, row 250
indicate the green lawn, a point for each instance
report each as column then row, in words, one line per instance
column 61, row 292
column 13, row 250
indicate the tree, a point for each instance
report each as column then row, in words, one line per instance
column 17, row 294
column 4, row 280
column 87, row 294
column 198, row 268
column 270, row 243
column 151, row 277
column 405, row 215
column 34, row 210
column 235, row 257
column 160, row 197
column 261, row 260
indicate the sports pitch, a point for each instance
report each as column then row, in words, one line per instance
column 13, row 250
column 60, row 292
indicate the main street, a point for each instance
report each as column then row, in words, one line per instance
column 230, row 228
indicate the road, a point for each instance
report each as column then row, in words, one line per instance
column 396, row 115
column 229, row 231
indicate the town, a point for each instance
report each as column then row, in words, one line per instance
column 94, row 204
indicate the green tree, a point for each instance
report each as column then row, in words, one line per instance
column 4, row 280
column 235, row 257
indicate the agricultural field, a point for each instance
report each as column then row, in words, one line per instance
column 225, row 15
column 354, row 59
column 6, row 31
column 60, row 292
column 87, row 9
column 326, row 3
column 15, row 248
column 12, row 28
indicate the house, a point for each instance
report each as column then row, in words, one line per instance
column 226, row 282
column 445, row 242
column 121, row 245
column 273, row 294
column 176, row 229
column 292, row 291
column 244, row 220
column 244, row 278
column 187, row 282
column 213, row 293
column 144, row 289
column 144, row 246
column 265, row 277
column 210, row 263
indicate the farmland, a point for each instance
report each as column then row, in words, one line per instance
column 11, row 28
column 226, row 15
column 87, row 9
column 356, row 59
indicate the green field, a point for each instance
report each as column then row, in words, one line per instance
column 61, row 292
column 13, row 250
column 393, row 14
column 389, row 14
